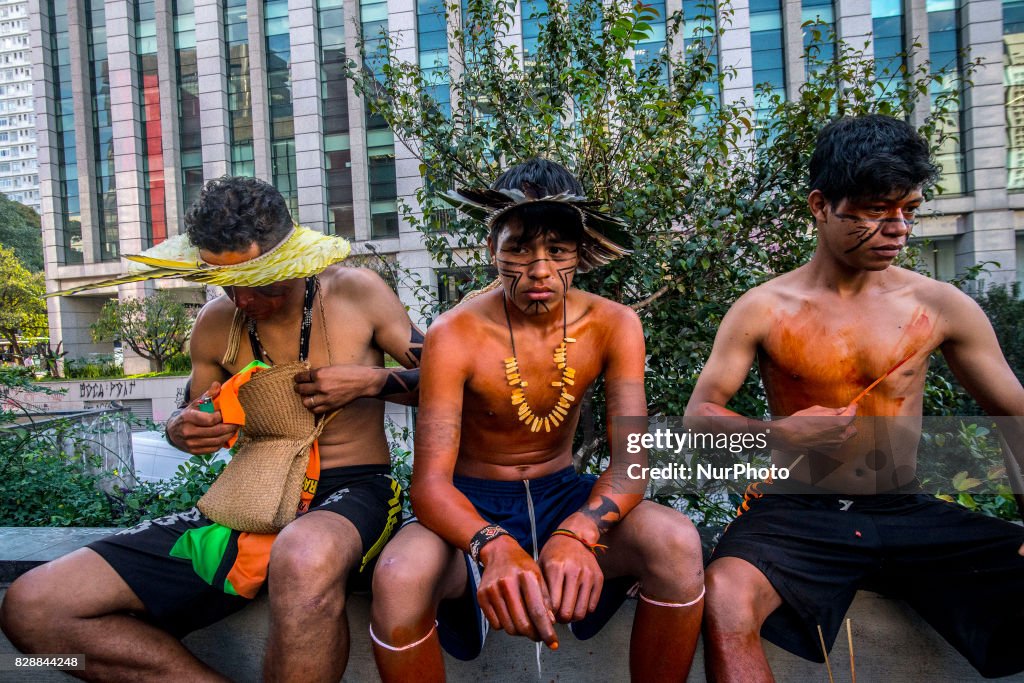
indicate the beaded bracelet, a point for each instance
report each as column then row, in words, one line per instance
column 592, row 547
column 482, row 538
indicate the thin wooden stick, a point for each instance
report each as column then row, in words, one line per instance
column 824, row 651
column 879, row 380
column 849, row 639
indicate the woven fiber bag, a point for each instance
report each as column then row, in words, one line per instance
column 260, row 488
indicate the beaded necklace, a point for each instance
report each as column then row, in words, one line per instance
column 312, row 288
column 561, row 409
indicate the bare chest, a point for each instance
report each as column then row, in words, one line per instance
column 336, row 336
column 827, row 357
column 539, row 387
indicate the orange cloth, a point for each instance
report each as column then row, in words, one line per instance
column 227, row 402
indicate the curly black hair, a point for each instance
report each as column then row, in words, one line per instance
column 860, row 157
column 232, row 212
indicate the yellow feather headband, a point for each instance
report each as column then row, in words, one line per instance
column 303, row 252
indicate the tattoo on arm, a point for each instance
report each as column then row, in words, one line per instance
column 401, row 382
column 186, row 398
column 415, row 349
column 604, row 513
column 176, row 413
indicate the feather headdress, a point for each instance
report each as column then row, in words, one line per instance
column 302, row 252
column 599, row 228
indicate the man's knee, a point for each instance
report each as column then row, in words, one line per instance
column 399, row 577
column 667, row 540
column 309, row 560
column 734, row 603
column 28, row 609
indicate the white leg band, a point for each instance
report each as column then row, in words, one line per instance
column 392, row 648
column 673, row 604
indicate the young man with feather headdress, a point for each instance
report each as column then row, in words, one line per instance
column 508, row 535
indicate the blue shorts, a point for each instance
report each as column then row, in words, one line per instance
column 461, row 626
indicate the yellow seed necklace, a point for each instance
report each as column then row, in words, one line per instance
column 557, row 414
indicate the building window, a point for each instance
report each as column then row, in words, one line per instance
column 1013, row 61
column 189, row 128
column 106, row 188
column 69, row 218
column 699, row 39
column 334, row 105
column 279, row 87
column 432, row 44
column 819, row 36
column 944, row 53
column 887, row 30
column 236, row 34
column 938, row 257
column 650, row 49
column 380, row 141
column 766, row 51
column 1020, row 258
column 152, row 198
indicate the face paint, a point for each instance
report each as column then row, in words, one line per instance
column 260, row 303
column 536, row 274
column 872, row 230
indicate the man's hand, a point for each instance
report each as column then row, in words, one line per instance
column 816, row 428
column 512, row 594
column 335, row 386
column 198, row 432
column 574, row 579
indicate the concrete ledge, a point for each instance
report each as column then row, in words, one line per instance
column 22, row 548
column 891, row 643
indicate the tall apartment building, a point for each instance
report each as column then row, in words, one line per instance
column 139, row 101
column 19, row 174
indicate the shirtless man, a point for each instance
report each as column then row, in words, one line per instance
column 821, row 334
column 124, row 602
column 494, row 484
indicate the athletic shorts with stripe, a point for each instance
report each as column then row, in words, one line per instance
column 179, row 600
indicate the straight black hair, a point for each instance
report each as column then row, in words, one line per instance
column 870, row 156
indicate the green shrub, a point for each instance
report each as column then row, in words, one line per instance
column 99, row 367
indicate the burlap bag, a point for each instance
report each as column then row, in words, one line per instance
column 259, row 490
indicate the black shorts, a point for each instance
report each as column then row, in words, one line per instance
column 179, row 599
column 461, row 625
column 958, row 569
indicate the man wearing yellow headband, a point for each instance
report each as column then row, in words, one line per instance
column 124, row 601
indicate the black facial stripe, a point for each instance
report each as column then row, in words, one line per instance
column 521, row 264
column 848, row 217
column 863, row 240
column 535, row 305
column 516, row 277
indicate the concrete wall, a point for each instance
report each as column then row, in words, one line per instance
column 163, row 392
